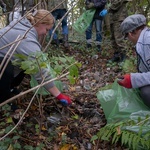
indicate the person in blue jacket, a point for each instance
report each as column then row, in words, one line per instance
column 134, row 28
column 99, row 5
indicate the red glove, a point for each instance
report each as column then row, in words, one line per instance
column 125, row 81
column 64, row 99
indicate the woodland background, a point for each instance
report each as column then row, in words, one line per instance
column 49, row 126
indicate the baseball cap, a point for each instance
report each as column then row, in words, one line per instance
column 132, row 22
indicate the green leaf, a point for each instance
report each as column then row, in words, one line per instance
column 134, row 143
column 16, row 137
column 26, row 65
column 63, row 60
column 58, row 68
column 95, row 137
column 78, row 65
column 75, row 117
column 43, row 65
column 115, row 137
column 21, row 56
column 28, row 147
column 17, row 146
column 130, row 139
column 71, row 79
column 37, row 148
column 73, row 71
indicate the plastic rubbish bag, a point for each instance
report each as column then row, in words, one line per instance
column 119, row 103
column 143, row 126
column 84, row 21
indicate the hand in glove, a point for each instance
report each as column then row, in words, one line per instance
column 89, row 5
column 64, row 99
column 103, row 13
column 125, row 81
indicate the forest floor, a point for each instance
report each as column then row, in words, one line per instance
column 48, row 124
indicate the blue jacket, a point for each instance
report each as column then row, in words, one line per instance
column 99, row 5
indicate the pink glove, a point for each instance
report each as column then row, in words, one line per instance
column 125, row 81
column 64, row 99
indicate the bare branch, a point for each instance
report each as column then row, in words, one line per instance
column 22, row 115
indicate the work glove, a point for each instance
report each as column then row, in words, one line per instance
column 64, row 99
column 89, row 5
column 125, row 81
column 103, row 13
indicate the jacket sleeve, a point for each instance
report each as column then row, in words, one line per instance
column 116, row 4
column 140, row 79
column 143, row 51
column 34, row 48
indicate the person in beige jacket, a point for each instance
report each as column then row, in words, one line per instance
column 58, row 13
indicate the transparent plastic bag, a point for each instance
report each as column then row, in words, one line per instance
column 119, row 103
column 84, row 21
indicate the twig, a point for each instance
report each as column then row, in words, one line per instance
column 23, row 114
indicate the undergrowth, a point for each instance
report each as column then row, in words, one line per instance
column 132, row 134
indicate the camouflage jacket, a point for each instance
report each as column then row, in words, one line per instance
column 53, row 3
column 118, row 10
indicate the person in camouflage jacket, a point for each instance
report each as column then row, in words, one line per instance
column 118, row 12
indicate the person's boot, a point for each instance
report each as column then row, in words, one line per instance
column 88, row 45
column 56, row 42
column 118, row 57
column 65, row 41
column 122, row 57
column 115, row 58
column 99, row 48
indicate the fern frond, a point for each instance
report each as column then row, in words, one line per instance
column 132, row 133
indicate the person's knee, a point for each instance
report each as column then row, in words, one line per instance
column 145, row 95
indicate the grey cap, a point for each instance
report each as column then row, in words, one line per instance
column 132, row 22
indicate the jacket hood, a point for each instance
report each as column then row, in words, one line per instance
column 23, row 24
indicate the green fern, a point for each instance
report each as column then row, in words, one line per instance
column 122, row 132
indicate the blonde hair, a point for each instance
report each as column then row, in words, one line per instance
column 41, row 16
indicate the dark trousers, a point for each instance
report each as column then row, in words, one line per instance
column 58, row 14
column 8, row 82
column 145, row 94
